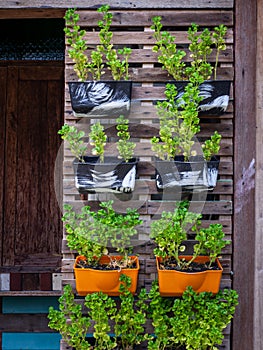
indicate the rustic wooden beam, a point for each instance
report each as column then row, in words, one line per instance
column 24, row 323
column 258, row 294
column 134, row 4
column 244, row 170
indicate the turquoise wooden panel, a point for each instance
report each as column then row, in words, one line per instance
column 11, row 305
column 31, row 341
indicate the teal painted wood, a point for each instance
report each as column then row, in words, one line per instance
column 32, row 305
column 30, row 341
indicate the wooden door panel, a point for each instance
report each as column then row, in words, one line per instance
column 32, row 217
column 3, row 74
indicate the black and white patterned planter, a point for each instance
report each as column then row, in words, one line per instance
column 215, row 95
column 113, row 175
column 195, row 175
column 100, row 98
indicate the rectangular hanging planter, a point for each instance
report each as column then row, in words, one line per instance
column 215, row 95
column 113, row 175
column 100, row 98
column 197, row 174
column 90, row 280
column 174, row 283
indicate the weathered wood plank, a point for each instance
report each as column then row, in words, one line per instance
column 147, row 56
column 149, row 187
column 3, row 75
column 244, row 172
column 9, row 228
column 144, row 149
column 147, row 168
column 135, row 4
column 143, row 37
column 12, row 13
column 258, row 293
column 174, row 18
column 24, row 323
column 141, row 112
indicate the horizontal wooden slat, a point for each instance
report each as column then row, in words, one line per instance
column 30, row 13
column 135, row 4
column 144, row 149
column 31, row 293
column 151, row 207
column 148, row 56
column 151, row 75
column 140, row 112
column 149, row 187
column 143, row 38
column 24, row 323
column 180, row 18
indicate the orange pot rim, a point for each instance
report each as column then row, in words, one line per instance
column 118, row 257
column 188, row 257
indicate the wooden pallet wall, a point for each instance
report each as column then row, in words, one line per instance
column 132, row 28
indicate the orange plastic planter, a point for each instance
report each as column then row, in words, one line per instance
column 91, row 280
column 174, row 283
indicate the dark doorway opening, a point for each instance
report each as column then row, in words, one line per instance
column 31, row 113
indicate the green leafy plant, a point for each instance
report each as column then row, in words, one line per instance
column 97, row 139
column 179, row 121
column 102, row 316
column 131, row 316
column 105, row 56
column 101, row 309
column 201, row 44
column 179, row 125
column 90, row 233
column 69, row 321
column 211, row 146
column 198, row 320
column 194, row 321
column 124, row 145
column 171, row 231
column 74, row 137
column 159, row 313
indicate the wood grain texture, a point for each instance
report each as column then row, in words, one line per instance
column 244, row 174
column 135, row 4
column 258, row 290
column 34, row 109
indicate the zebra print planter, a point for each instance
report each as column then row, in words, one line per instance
column 195, row 175
column 100, row 98
column 113, row 175
column 215, row 95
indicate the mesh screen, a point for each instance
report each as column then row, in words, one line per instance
column 41, row 39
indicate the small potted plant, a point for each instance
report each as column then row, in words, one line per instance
column 98, row 173
column 181, row 159
column 215, row 93
column 92, row 234
column 202, row 270
column 194, row 321
column 97, row 97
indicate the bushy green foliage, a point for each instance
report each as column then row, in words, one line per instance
column 91, row 232
column 102, row 317
column 103, row 57
column 124, row 146
column 97, row 139
column 200, row 47
column 194, row 321
column 74, row 137
column 170, row 231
